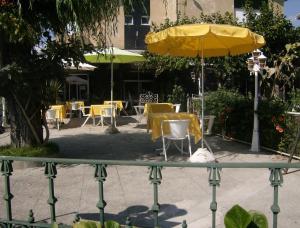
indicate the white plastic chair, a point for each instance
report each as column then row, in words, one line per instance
column 178, row 131
column 85, row 114
column 208, row 124
column 108, row 112
column 51, row 117
column 177, row 107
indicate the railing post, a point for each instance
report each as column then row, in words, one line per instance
column 6, row 170
column 128, row 223
column 31, row 216
column 155, row 177
column 50, row 172
column 214, row 181
column 100, row 175
column 276, row 180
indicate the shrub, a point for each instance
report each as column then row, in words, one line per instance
column 177, row 96
column 272, row 125
column 233, row 111
column 47, row 150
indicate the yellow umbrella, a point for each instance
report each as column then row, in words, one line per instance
column 203, row 40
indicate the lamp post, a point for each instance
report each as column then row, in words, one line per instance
column 256, row 63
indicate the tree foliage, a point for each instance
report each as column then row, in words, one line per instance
column 231, row 72
column 35, row 35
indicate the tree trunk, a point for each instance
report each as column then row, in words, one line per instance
column 24, row 131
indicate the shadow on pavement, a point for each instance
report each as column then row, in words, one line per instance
column 141, row 215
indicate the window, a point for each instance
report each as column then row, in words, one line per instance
column 145, row 20
column 128, row 20
column 255, row 4
column 240, row 14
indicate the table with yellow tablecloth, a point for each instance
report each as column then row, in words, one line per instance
column 158, row 108
column 98, row 110
column 155, row 119
column 119, row 104
column 60, row 112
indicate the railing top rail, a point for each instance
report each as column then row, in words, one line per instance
column 164, row 164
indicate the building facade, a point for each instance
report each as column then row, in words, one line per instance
column 134, row 23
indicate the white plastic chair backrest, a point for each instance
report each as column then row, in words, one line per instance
column 177, row 107
column 74, row 106
column 50, row 114
column 178, row 128
column 108, row 112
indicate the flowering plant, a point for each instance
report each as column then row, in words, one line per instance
column 279, row 123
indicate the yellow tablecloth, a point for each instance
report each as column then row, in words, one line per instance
column 158, row 108
column 97, row 110
column 155, row 119
column 69, row 104
column 119, row 104
column 60, row 112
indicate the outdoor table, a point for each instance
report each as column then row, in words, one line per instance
column 155, row 119
column 118, row 103
column 60, row 112
column 96, row 111
column 158, row 108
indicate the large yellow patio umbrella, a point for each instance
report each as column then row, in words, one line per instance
column 203, row 40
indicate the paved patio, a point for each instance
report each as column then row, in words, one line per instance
column 183, row 194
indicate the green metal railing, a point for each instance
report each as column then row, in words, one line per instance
column 155, row 177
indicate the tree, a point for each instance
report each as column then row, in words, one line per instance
column 231, row 71
column 34, row 37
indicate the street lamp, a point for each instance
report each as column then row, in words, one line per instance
column 256, row 63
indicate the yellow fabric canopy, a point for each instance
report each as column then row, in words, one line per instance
column 214, row 39
column 203, row 40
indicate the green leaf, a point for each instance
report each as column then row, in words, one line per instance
column 87, row 224
column 54, row 225
column 112, row 224
column 237, row 217
column 94, row 224
column 259, row 220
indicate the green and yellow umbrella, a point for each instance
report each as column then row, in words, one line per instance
column 113, row 55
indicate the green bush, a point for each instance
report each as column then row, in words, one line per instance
column 233, row 111
column 272, row 123
column 47, row 150
column 234, row 118
column 177, row 96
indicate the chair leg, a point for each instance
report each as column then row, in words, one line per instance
column 189, row 142
column 164, row 149
column 85, row 121
column 181, row 146
column 57, row 124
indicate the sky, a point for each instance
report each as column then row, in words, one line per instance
column 291, row 10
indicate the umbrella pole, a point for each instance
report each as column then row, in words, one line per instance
column 111, row 92
column 202, row 100
column 112, row 129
